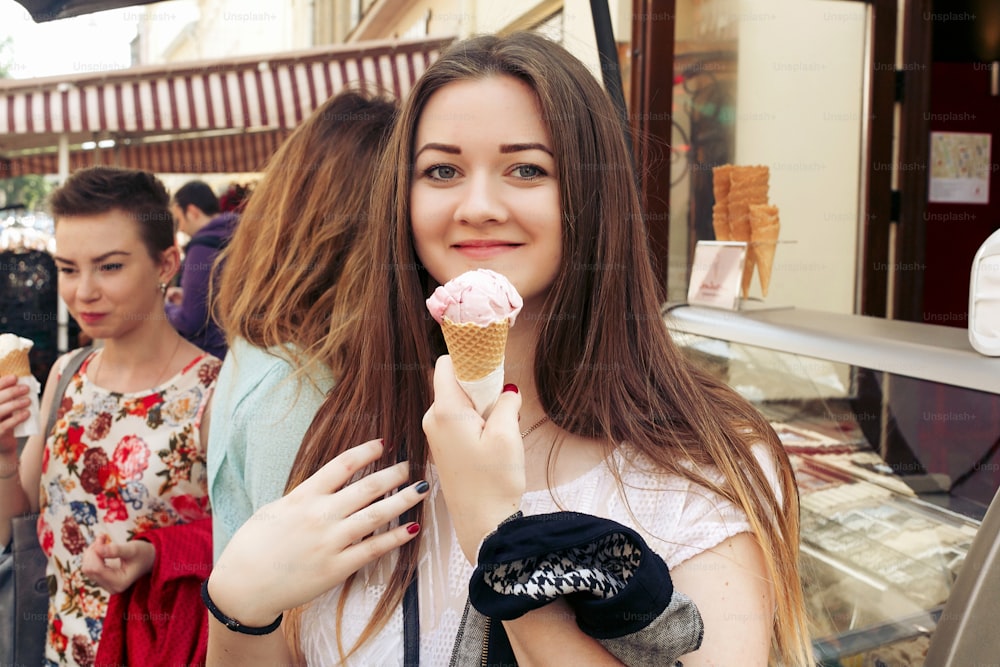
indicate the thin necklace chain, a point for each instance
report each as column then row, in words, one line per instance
column 531, row 428
column 100, row 365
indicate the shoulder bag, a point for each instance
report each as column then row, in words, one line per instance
column 24, row 588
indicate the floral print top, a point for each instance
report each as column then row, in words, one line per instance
column 115, row 464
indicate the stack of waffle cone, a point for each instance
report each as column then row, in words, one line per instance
column 475, row 350
column 764, row 228
column 738, row 190
column 748, row 186
column 15, row 363
column 720, row 209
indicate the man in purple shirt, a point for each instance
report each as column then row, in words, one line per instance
column 196, row 213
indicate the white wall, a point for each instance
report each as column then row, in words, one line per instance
column 578, row 24
column 238, row 27
column 210, row 29
column 799, row 108
column 159, row 25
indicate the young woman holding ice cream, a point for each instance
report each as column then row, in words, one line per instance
column 127, row 452
column 509, row 156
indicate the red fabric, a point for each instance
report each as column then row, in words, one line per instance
column 160, row 619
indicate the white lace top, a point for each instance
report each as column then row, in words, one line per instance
column 677, row 519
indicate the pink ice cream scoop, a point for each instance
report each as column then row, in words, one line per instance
column 476, row 297
column 476, row 310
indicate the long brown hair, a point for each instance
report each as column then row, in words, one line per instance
column 605, row 365
column 300, row 224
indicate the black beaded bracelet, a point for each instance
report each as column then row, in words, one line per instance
column 232, row 623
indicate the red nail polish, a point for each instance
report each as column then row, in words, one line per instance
column 510, row 387
column 413, row 528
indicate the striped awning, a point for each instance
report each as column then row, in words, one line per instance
column 219, row 112
column 232, row 153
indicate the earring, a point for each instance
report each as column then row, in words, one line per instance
column 163, row 287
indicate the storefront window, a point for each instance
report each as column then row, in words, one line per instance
column 780, row 83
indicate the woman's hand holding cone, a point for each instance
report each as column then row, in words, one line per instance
column 480, row 462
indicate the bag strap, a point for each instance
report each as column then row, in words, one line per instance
column 411, row 598
column 72, row 366
column 411, row 625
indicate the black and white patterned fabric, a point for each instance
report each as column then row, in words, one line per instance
column 601, row 569
column 619, row 589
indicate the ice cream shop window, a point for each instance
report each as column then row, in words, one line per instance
column 779, row 84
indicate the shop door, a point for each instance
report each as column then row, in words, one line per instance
column 949, row 188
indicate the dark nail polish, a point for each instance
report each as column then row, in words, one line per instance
column 422, row 487
column 510, row 387
column 413, row 528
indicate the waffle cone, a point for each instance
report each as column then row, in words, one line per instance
column 475, row 350
column 16, row 363
column 764, row 241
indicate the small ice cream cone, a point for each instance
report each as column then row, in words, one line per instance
column 14, row 360
column 476, row 310
column 14, row 355
column 16, row 363
column 475, row 350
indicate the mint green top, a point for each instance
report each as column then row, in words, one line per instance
column 259, row 415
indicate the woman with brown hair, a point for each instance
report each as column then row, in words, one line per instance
column 276, row 297
column 508, row 155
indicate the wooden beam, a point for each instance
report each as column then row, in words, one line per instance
column 914, row 149
column 651, row 118
column 878, row 191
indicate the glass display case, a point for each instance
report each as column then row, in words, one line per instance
column 893, row 430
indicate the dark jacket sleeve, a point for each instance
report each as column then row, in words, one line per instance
column 160, row 619
column 191, row 317
column 619, row 588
